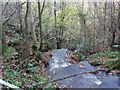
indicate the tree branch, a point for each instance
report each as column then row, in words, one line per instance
column 42, row 83
column 12, row 15
column 9, row 17
column 43, row 7
column 5, row 6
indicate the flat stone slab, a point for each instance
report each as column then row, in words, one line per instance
column 59, row 68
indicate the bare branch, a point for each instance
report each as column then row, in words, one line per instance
column 43, row 7
column 42, row 83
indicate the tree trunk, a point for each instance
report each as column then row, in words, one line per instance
column 119, row 17
column 55, row 22
column 113, row 25
column 33, row 35
column 2, row 35
column 26, row 37
column 1, row 28
column 61, row 27
column 40, row 11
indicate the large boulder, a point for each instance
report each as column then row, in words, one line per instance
column 59, row 68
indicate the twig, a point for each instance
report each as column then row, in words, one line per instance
column 42, row 83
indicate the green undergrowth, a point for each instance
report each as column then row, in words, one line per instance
column 112, row 61
column 20, row 77
column 107, row 54
column 110, row 64
column 23, row 79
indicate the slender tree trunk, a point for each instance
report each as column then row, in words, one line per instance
column 61, row 28
column 104, row 27
column 84, row 28
column 1, row 61
column 33, row 35
column 1, row 28
column 119, row 16
column 3, row 39
column 40, row 26
column 118, row 26
column 55, row 22
column 40, row 11
column 113, row 27
column 26, row 36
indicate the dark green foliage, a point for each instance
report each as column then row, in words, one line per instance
column 34, row 48
column 81, row 57
column 38, row 55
